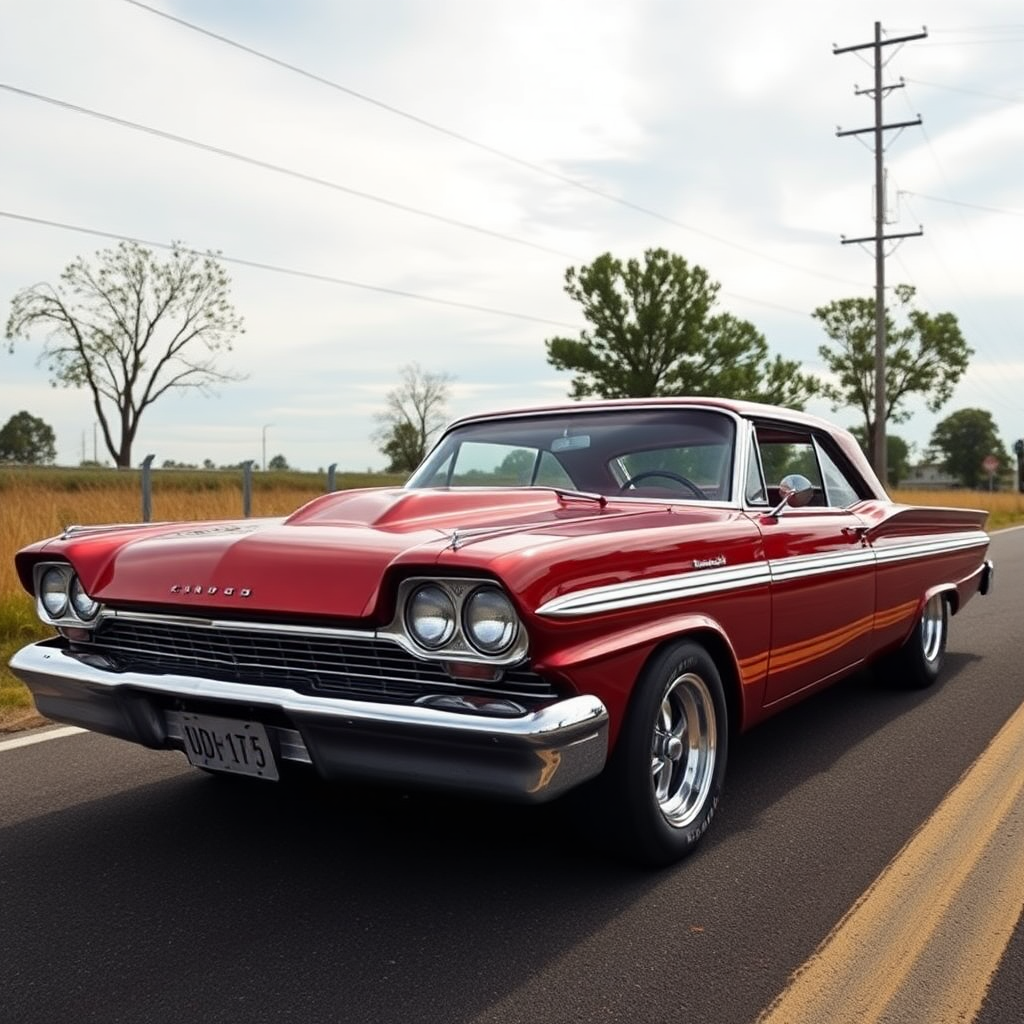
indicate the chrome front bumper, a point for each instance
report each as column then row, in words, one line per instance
column 532, row 757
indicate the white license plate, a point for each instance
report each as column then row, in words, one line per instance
column 228, row 745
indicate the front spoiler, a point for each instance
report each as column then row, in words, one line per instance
column 532, row 757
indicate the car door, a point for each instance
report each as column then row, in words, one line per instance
column 822, row 569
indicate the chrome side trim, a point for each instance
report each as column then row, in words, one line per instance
column 622, row 596
column 930, row 546
column 665, row 588
column 800, row 566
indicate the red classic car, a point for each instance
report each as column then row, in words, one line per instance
column 593, row 597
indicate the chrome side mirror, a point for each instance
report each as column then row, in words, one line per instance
column 795, row 491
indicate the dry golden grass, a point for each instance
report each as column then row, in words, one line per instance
column 1005, row 508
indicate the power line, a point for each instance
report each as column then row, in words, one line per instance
column 291, row 271
column 967, row 92
column 276, row 168
column 492, row 150
column 970, row 206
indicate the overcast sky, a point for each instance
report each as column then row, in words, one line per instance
column 407, row 180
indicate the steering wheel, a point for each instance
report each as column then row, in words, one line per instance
column 668, row 475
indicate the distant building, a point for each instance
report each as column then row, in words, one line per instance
column 929, row 476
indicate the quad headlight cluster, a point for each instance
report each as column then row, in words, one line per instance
column 460, row 618
column 61, row 596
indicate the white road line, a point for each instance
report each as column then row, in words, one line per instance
column 38, row 737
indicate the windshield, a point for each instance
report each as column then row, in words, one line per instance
column 675, row 453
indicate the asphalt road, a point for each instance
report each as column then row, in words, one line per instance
column 135, row 889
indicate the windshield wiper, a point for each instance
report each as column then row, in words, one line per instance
column 562, row 492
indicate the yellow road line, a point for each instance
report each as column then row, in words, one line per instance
column 924, row 941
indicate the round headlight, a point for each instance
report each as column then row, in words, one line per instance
column 490, row 621
column 53, row 592
column 85, row 607
column 430, row 616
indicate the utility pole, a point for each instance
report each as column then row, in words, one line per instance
column 878, row 93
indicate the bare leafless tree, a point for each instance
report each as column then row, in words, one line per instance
column 414, row 413
column 129, row 329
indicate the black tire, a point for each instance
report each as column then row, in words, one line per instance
column 665, row 777
column 917, row 664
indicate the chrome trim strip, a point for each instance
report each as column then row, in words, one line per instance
column 241, row 625
column 80, row 530
column 930, row 546
column 636, row 593
column 622, row 596
column 799, row 566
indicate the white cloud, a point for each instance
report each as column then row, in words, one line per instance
column 719, row 120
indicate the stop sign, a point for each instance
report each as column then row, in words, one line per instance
column 990, row 464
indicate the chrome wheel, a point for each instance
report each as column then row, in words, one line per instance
column 683, row 749
column 933, row 629
column 660, row 790
column 918, row 662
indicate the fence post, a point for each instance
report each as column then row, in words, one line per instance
column 147, row 488
column 247, row 488
column 331, row 488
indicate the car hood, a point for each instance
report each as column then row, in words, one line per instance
column 334, row 555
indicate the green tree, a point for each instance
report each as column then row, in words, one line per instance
column 27, row 439
column 403, row 447
column 654, row 332
column 517, row 466
column 414, row 413
column 925, row 355
column 129, row 329
column 897, row 454
column 278, row 462
column 964, row 439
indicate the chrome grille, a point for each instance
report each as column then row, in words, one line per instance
column 365, row 667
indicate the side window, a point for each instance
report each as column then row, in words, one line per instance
column 782, row 455
column 753, row 489
column 838, row 489
column 785, row 450
column 551, row 474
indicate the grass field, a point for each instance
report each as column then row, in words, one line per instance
column 39, row 503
